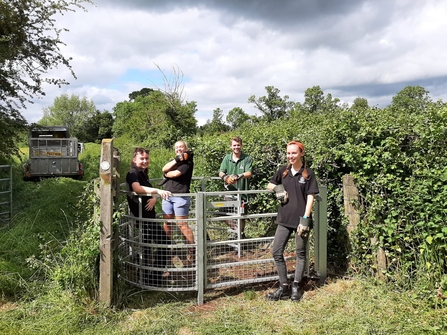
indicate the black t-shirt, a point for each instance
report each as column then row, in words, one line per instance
column 182, row 183
column 298, row 188
column 135, row 175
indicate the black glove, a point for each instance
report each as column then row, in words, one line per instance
column 281, row 194
column 304, row 226
column 180, row 158
column 165, row 179
column 190, row 155
column 183, row 157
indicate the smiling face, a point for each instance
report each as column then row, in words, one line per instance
column 294, row 154
column 141, row 160
column 180, row 147
column 236, row 147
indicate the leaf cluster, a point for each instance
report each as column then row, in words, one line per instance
column 30, row 44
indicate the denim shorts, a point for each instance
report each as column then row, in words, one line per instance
column 179, row 206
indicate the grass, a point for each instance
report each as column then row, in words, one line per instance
column 341, row 307
column 45, row 218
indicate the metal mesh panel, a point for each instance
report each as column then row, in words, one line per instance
column 231, row 258
column 220, row 256
column 151, row 260
column 5, row 193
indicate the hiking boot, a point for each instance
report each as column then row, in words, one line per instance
column 297, row 292
column 282, row 293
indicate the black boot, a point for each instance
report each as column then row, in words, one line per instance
column 282, row 293
column 297, row 291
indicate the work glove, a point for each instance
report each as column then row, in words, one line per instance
column 281, row 194
column 165, row 179
column 304, row 226
column 183, row 157
column 180, row 158
column 230, row 179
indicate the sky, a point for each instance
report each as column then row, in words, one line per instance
column 228, row 50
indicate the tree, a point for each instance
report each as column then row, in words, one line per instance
column 412, row 99
column 155, row 120
column 359, row 104
column 313, row 99
column 157, row 117
column 98, row 127
column 141, row 93
column 73, row 112
column 236, row 117
column 216, row 125
column 272, row 106
column 29, row 47
column 315, row 102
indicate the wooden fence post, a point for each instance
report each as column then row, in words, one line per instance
column 350, row 197
column 106, row 217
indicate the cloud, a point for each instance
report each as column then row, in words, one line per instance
column 230, row 50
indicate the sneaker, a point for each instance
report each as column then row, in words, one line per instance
column 282, row 293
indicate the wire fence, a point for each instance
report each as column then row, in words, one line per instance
column 223, row 253
column 5, row 194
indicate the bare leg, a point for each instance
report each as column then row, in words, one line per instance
column 185, row 229
column 167, row 225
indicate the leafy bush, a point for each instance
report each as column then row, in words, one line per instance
column 398, row 159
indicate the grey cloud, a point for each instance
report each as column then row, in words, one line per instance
column 231, row 49
column 434, row 85
column 310, row 24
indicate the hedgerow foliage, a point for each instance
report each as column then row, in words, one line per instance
column 397, row 156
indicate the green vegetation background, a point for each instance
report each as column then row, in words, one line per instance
column 397, row 155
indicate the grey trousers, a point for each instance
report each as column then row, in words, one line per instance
column 280, row 240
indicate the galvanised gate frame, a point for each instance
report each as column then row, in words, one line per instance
column 5, row 194
column 221, row 257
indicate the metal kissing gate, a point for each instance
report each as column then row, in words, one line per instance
column 220, row 256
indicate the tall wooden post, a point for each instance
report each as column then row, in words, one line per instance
column 106, row 233
column 350, row 196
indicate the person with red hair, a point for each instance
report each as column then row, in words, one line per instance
column 295, row 186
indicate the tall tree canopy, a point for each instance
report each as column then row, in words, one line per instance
column 216, row 125
column 272, row 106
column 237, row 117
column 71, row 111
column 97, row 127
column 155, row 119
column 29, row 47
column 412, row 99
column 315, row 102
